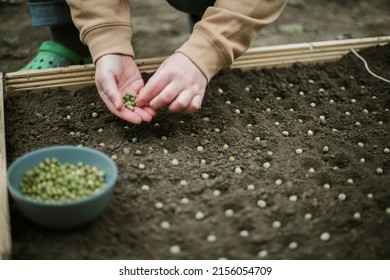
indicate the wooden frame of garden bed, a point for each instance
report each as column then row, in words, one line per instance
column 260, row 57
column 83, row 75
column 5, row 233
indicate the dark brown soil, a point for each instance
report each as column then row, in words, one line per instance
column 130, row 228
column 159, row 29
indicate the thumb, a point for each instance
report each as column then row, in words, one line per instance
column 149, row 91
column 109, row 89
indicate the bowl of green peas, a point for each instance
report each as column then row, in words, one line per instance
column 62, row 187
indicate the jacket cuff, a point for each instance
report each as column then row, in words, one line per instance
column 205, row 53
column 101, row 41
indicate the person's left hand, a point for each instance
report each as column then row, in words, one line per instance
column 115, row 75
column 178, row 83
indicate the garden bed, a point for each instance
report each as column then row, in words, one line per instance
column 269, row 202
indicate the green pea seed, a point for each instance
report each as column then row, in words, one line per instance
column 129, row 101
column 52, row 181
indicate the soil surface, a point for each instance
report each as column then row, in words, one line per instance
column 159, row 29
column 131, row 226
column 339, row 191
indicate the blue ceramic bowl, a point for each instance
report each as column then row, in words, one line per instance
column 64, row 214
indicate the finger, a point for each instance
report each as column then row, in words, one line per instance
column 109, row 88
column 145, row 116
column 131, row 117
column 126, row 115
column 152, row 88
column 181, row 102
column 134, row 87
column 194, row 105
column 165, row 97
column 151, row 111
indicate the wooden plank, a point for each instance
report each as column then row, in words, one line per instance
column 340, row 44
column 5, row 232
column 51, row 72
column 75, row 79
column 260, row 57
column 88, row 76
column 280, row 59
column 286, row 63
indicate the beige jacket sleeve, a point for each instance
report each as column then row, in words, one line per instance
column 225, row 32
column 104, row 26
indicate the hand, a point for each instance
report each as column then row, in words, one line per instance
column 115, row 75
column 178, row 83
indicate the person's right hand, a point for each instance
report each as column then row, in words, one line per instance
column 115, row 76
column 178, row 84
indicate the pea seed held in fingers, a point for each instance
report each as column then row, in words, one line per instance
column 130, row 101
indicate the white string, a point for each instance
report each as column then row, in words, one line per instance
column 367, row 68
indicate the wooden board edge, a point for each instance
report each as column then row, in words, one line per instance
column 5, row 229
column 300, row 52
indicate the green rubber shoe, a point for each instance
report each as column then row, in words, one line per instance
column 52, row 55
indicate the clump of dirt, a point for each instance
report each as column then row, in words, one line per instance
column 254, row 191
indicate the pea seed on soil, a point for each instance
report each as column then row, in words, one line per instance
column 279, row 226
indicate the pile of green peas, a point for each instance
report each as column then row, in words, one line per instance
column 129, row 100
column 52, row 180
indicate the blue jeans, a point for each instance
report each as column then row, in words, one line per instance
column 49, row 12
column 57, row 12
